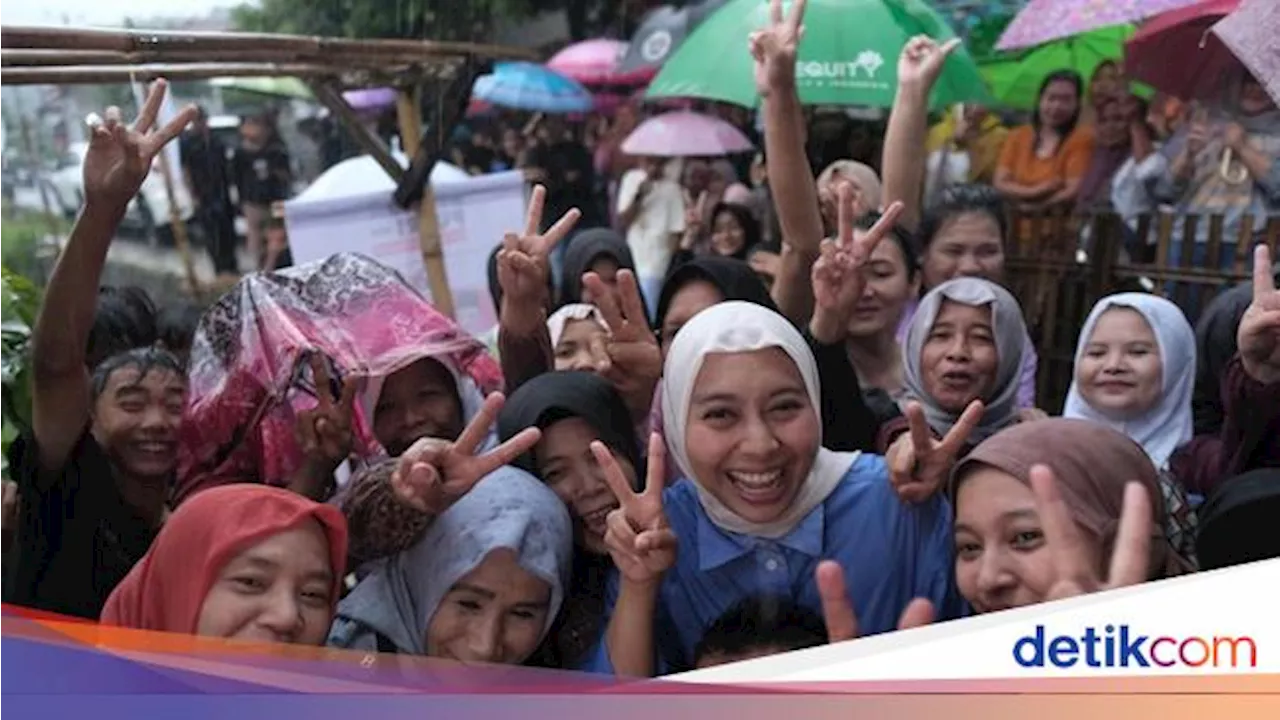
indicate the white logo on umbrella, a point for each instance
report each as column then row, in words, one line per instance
column 656, row 46
column 868, row 61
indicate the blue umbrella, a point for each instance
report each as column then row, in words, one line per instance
column 528, row 86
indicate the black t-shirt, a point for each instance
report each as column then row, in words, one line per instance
column 262, row 176
column 205, row 159
column 77, row 539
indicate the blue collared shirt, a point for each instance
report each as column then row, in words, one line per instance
column 891, row 552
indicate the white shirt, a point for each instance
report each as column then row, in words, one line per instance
column 651, row 235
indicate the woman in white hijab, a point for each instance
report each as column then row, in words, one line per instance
column 760, row 501
column 1135, row 373
column 482, row 585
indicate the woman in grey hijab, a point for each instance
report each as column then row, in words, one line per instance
column 962, row 360
column 482, row 585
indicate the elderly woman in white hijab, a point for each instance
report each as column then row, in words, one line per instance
column 962, row 358
column 1135, row 373
column 482, row 585
column 759, row 504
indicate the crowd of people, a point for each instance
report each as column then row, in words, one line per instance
column 692, row 447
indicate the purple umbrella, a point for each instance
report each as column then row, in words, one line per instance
column 1044, row 20
column 595, row 62
column 685, row 134
column 1250, row 34
column 370, row 99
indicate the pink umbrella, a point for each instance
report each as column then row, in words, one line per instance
column 595, row 62
column 1177, row 54
column 1250, row 33
column 1044, row 20
column 685, row 134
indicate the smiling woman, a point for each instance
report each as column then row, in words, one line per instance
column 483, row 584
column 761, row 501
column 244, row 562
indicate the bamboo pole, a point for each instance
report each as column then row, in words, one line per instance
column 409, row 114
column 367, row 141
column 94, row 74
column 216, row 43
column 179, row 227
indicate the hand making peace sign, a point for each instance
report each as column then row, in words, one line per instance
column 1075, row 570
column 119, row 158
column 918, row 463
column 433, row 473
column 324, row 432
column 838, row 275
column 837, row 610
column 774, row 48
column 921, row 61
column 642, row 544
column 1259, row 333
column 522, row 261
column 632, row 360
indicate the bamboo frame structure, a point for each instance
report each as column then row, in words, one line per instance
column 63, row 56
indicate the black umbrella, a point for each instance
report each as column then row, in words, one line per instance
column 661, row 32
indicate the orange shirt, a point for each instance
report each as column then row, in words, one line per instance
column 1069, row 163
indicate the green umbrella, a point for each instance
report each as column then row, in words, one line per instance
column 1015, row 78
column 848, row 56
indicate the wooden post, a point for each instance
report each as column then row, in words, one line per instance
column 409, row 113
column 179, row 227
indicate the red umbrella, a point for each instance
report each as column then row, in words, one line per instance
column 1176, row 53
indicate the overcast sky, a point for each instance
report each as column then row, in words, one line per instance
column 100, row 12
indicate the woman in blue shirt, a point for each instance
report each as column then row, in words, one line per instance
column 760, row 502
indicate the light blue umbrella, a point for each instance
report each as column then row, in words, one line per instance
column 528, row 86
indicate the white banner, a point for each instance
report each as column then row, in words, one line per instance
column 1220, row 622
column 473, row 214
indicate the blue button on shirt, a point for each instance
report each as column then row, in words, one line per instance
column 891, row 552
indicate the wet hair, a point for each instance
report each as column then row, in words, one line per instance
column 761, row 623
column 959, row 200
column 1076, row 81
column 176, row 326
column 125, row 319
column 901, row 237
column 143, row 359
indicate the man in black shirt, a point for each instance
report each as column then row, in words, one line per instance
column 95, row 471
column 262, row 176
column 204, row 167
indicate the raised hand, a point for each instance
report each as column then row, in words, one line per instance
column 838, row 278
column 433, row 473
column 642, row 544
column 774, row 48
column 1075, row 569
column 1259, row 334
column 634, row 360
column 921, row 61
column 324, row 432
column 919, row 464
column 837, row 611
column 120, row 157
column 1234, row 136
column 522, row 262
column 694, row 214
column 1198, row 133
